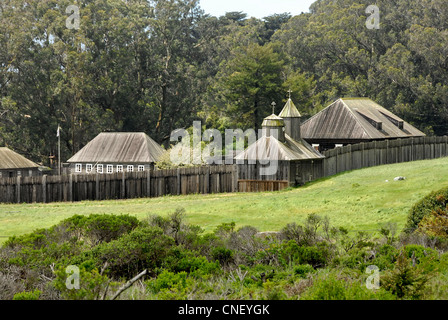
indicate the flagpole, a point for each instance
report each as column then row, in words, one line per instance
column 59, row 150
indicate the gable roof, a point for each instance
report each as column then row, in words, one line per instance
column 12, row 160
column 357, row 119
column 119, row 147
column 269, row 148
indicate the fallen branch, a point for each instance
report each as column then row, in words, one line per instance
column 128, row 284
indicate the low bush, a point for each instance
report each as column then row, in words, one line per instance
column 143, row 248
column 432, row 202
column 406, row 281
column 333, row 286
column 27, row 295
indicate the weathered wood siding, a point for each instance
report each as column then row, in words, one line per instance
column 154, row 183
column 376, row 153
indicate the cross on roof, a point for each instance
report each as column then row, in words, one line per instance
column 273, row 104
column 289, row 91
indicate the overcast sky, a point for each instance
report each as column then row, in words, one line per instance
column 255, row 8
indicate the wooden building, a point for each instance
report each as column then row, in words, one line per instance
column 281, row 148
column 116, row 152
column 13, row 164
column 352, row 121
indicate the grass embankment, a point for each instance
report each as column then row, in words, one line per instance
column 357, row 200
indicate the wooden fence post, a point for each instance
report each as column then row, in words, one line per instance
column 148, row 184
column 70, row 187
column 19, row 178
column 97, row 186
column 178, row 181
column 123, row 185
column 234, row 178
column 44, row 188
column 207, row 180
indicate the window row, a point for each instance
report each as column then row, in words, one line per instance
column 99, row 168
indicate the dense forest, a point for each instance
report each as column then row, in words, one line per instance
column 155, row 66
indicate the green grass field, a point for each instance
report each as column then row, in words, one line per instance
column 357, row 200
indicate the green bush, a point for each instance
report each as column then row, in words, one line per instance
column 92, row 284
column 433, row 201
column 405, row 280
column 386, row 256
column 143, row 248
column 331, row 286
column 302, row 270
column 100, row 228
column 223, row 255
column 170, row 286
column 179, row 259
column 33, row 295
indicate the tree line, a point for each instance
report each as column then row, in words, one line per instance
column 156, row 66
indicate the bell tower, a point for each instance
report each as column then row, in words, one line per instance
column 292, row 118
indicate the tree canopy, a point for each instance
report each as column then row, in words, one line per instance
column 156, row 66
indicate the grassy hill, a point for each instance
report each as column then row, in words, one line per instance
column 357, row 200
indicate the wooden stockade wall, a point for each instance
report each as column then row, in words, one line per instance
column 154, row 183
column 378, row 153
column 214, row 179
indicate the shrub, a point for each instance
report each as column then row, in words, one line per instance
column 331, row 286
column 223, row 255
column 303, row 270
column 317, row 256
column 143, row 248
column 92, row 283
column 181, row 260
column 386, row 256
column 170, row 286
column 432, row 202
column 27, row 295
column 174, row 226
column 100, row 228
column 404, row 281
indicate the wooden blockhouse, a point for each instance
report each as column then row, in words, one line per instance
column 281, row 145
column 116, row 152
column 355, row 120
column 13, row 164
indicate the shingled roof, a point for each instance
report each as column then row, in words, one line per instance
column 12, row 160
column 119, row 147
column 269, row 148
column 357, row 119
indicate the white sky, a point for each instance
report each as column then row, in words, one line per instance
column 255, row 8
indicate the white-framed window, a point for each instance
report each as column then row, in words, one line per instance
column 99, row 168
column 120, row 168
column 89, row 168
column 78, row 168
column 130, row 168
column 141, row 168
column 110, row 168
